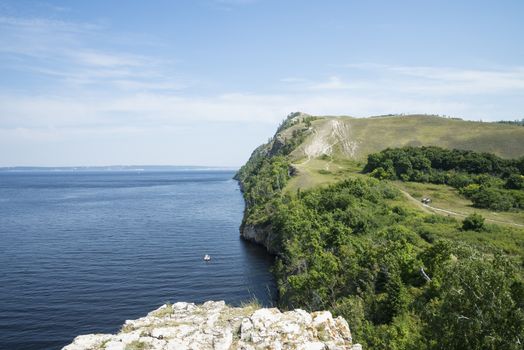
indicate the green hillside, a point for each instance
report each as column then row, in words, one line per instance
column 329, row 149
column 355, row 138
column 352, row 235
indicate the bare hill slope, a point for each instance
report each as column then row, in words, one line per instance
column 355, row 138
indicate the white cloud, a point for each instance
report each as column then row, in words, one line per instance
column 159, row 110
column 100, row 59
column 333, row 83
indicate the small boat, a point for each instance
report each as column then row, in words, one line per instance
column 207, row 257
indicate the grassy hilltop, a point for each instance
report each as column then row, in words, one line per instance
column 329, row 149
column 355, row 138
column 352, row 235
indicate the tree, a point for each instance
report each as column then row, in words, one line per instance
column 473, row 222
column 492, row 198
column 515, row 182
column 397, row 298
column 476, row 308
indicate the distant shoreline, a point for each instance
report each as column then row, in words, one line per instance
column 117, row 168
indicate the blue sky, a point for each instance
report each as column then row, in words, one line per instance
column 203, row 82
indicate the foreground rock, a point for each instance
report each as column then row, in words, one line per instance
column 214, row 325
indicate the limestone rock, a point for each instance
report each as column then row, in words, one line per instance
column 216, row 326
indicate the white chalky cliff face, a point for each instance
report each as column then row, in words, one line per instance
column 214, row 325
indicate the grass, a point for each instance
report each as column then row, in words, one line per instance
column 104, row 344
column 321, row 172
column 136, row 345
column 245, row 309
column 252, row 304
column 376, row 134
column 127, row 328
column 168, row 310
column 326, row 170
column 448, row 198
column 507, row 237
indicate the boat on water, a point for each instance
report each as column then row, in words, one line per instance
column 207, row 257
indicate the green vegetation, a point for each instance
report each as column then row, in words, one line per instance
column 512, row 122
column 346, row 249
column 376, row 134
column 168, row 310
column 487, row 180
column 266, row 174
column 252, row 304
column 403, row 278
column 137, row 345
column 262, row 180
column 449, row 201
column 480, row 306
column 473, row 222
column 294, row 119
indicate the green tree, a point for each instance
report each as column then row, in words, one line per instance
column 473, row 222
column 397, row 298
column 515, row 182
column 476, row 308
column 492, row 198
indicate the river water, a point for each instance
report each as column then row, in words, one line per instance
column 82, row 251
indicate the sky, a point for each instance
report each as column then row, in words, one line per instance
column 203, row 82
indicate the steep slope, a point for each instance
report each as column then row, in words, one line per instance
column 355, row 138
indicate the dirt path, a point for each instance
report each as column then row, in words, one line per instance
column 430, row 209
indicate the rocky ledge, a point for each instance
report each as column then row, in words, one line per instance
column 214, row 325
column 259, row 234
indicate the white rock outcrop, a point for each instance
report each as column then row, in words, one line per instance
column 216, row 326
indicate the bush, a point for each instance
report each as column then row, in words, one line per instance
column 515, row 182
column 492, row 198
column 473, row 222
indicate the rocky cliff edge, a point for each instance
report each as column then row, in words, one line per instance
column 217, row 326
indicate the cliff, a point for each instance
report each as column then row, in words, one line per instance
column 214, row 325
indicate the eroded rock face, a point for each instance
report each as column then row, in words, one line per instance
column 214, row 325
column 259, row 234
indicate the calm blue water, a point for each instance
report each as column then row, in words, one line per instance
column 81, row 252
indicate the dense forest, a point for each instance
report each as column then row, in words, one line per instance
column 401, row 278
column 487, row 180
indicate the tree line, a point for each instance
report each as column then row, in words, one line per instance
column 487, row 180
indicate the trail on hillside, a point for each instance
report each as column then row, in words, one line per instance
column 325, row 138
column 431, row 209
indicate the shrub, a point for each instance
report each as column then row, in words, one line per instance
column 473, row 222
column 492, row 198
column 515, row 182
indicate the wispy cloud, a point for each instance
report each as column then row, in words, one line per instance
column 333, row 83
column 446, row 80
column 105, row 89
column 100, row 59
column 68, row 52
column 162, row 110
